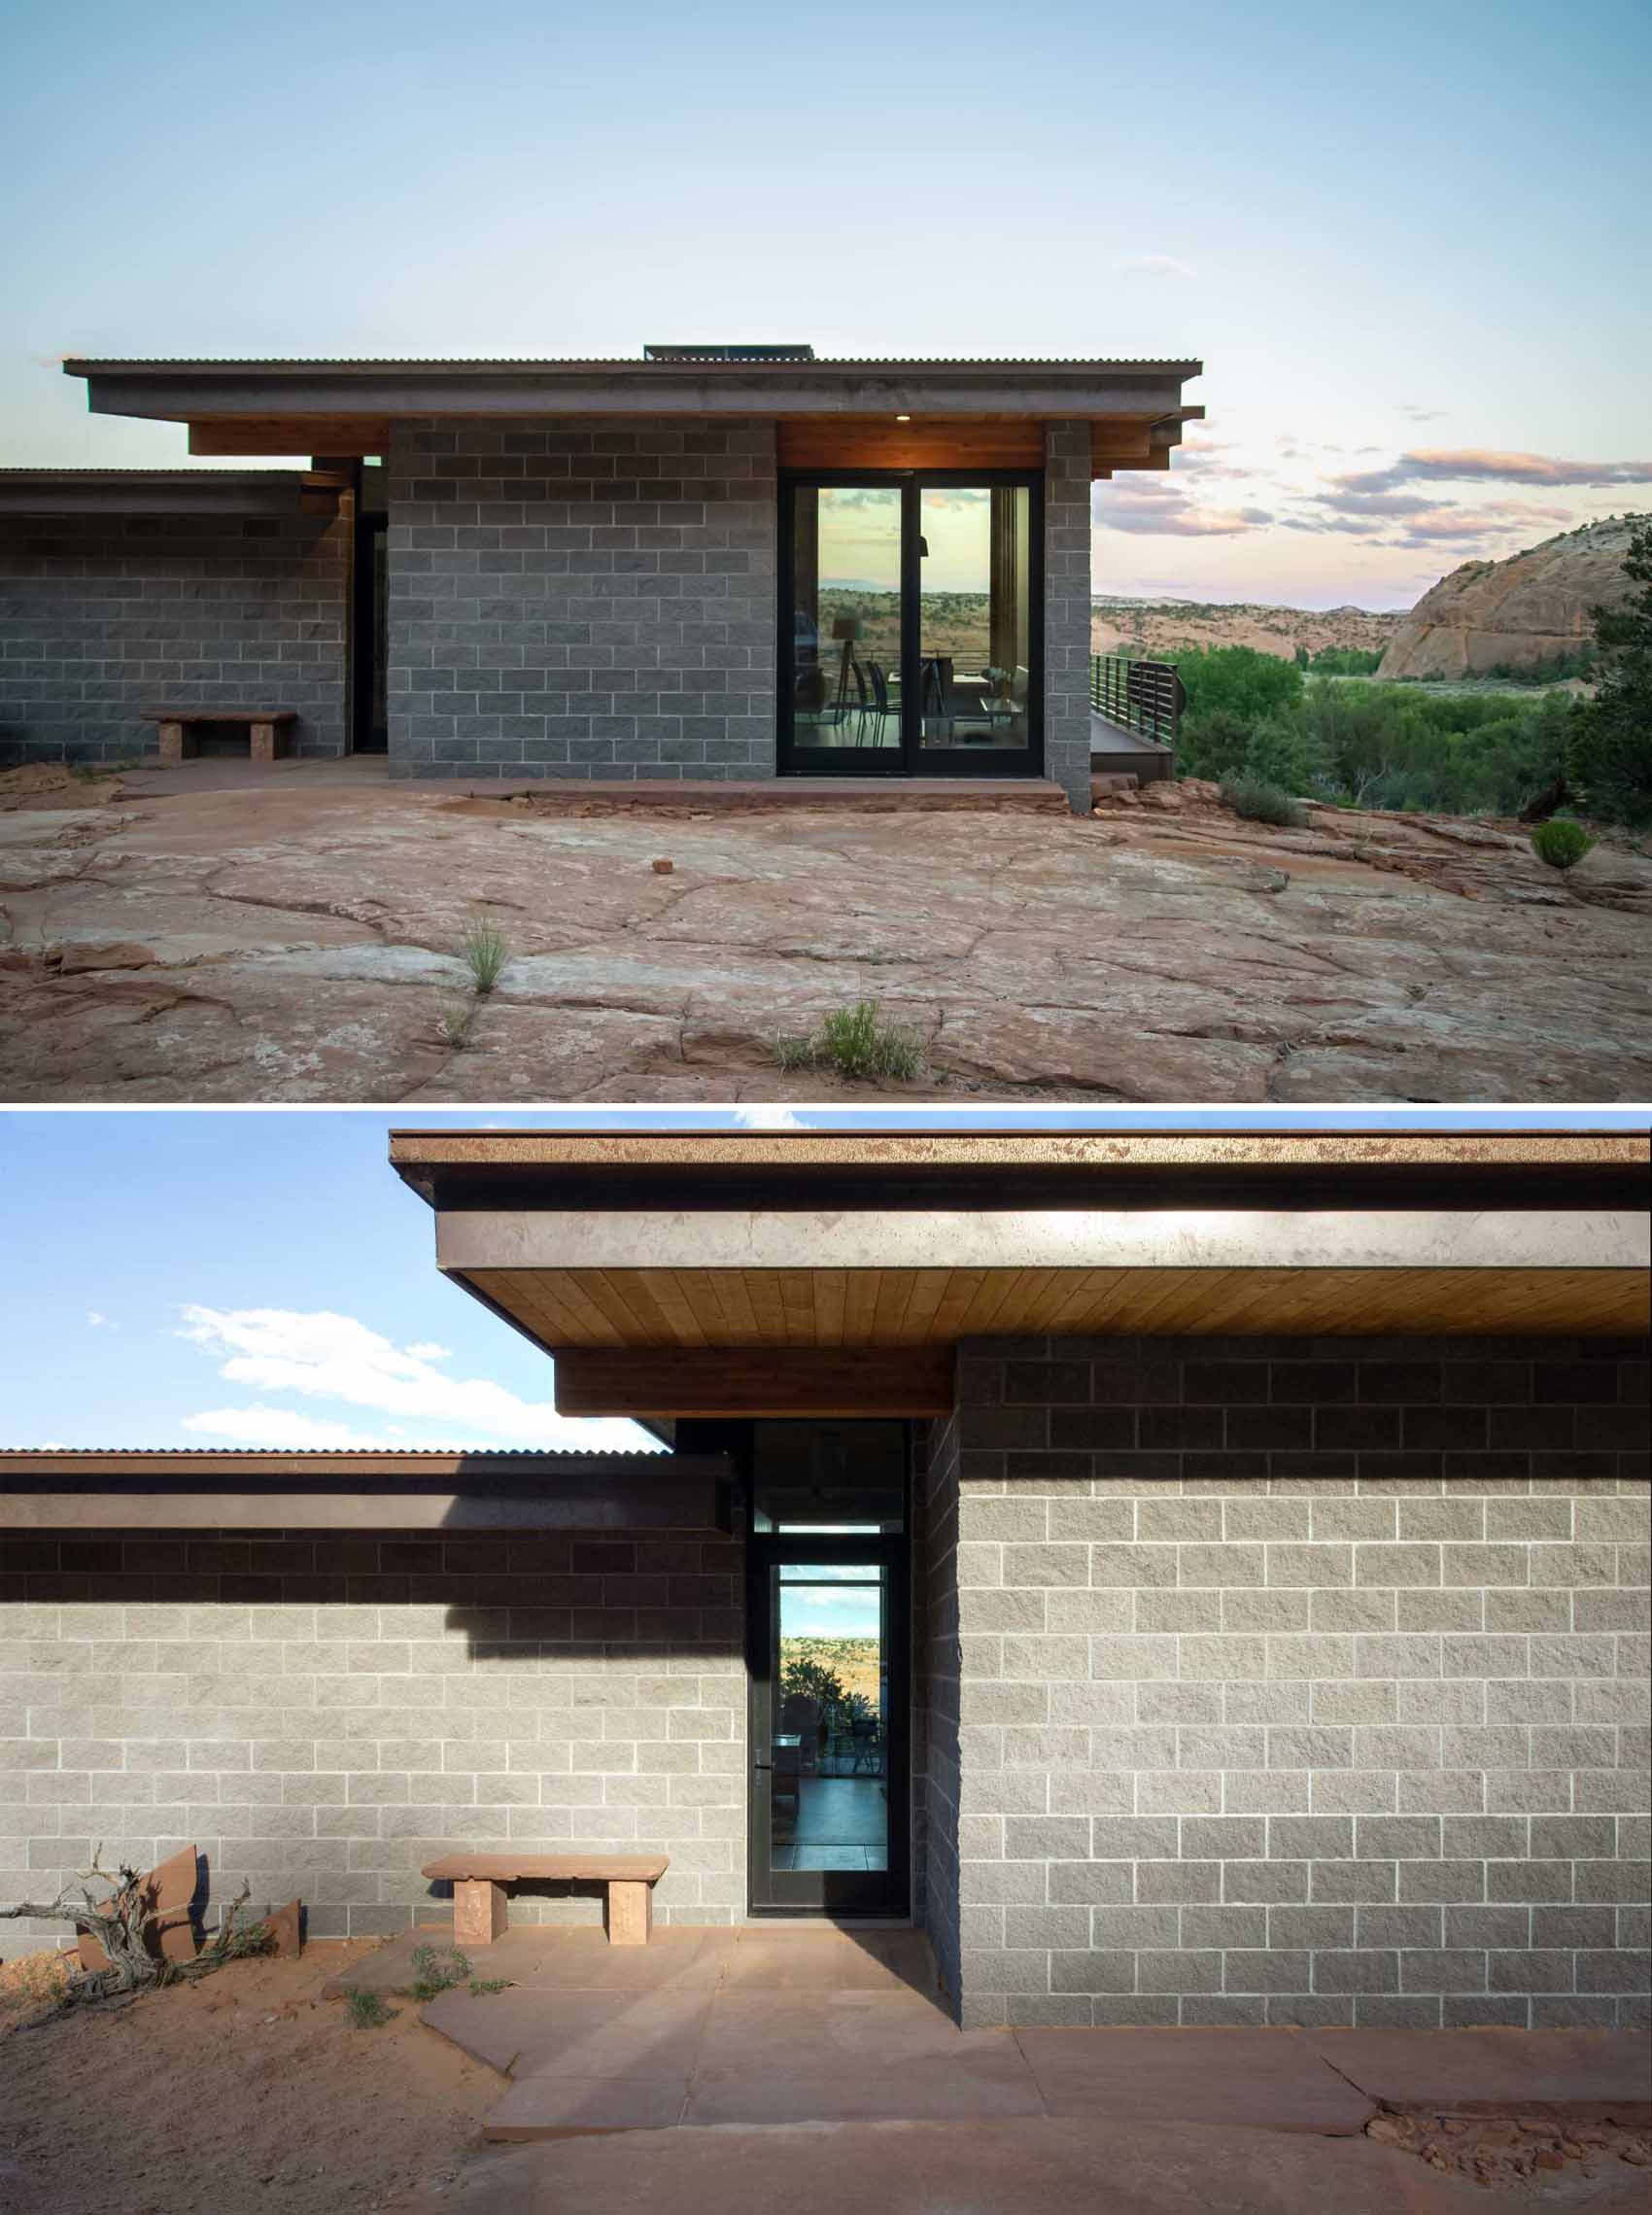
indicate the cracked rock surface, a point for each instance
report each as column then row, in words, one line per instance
column 305, row 946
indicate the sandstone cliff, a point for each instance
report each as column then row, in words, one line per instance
column 1516, row 614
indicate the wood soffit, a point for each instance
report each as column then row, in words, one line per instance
column 817, row 441
column 648, row 1309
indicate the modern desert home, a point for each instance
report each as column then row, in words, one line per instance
column 1198, row 1580
column 727, row 562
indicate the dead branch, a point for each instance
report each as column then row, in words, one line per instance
column 120, row 1923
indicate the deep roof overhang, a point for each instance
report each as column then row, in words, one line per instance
column 763, row 1273
column 1136, row 408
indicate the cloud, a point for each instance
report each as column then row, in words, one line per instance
column 1344, row 500
column 1162, row 508
column 318, row 1354
column 768, row 1118
column 1419, row 414
column 1208, row 458
column 286, row 1428
column 1476, row 464
column 426, row 1350
column 1152, row 266
column 96, row 1321
column 1488, row 522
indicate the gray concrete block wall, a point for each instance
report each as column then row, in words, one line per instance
column 320, row 1715
column 574, row 602
column 103, row 615
column 1067, row 610
column 937, row 1829
column 1302, row 1681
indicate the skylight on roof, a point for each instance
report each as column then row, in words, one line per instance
column 728, row 353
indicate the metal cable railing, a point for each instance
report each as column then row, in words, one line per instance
column 1142, row 696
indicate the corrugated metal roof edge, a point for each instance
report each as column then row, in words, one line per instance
column 76, row 364
column 325, row 1453
column 298, row 468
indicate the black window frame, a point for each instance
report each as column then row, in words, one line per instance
column 911, row 757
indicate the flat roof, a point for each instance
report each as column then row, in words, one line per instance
column 757, row 1272
column 448, row 1492
column 164, row 491
column 917, row 1147
column 1135, row 407
column 359, row 1463
column 364, row 364
column 987, row 1167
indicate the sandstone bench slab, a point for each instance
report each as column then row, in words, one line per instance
column 480, row 1914
column 268, row 729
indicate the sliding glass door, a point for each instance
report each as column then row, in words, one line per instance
column 911, row 621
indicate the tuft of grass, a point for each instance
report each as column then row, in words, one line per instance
column 366, row 2009
column 1560, row 842
column 437, row 1969
column 485, row 951
column 453, row 1024
column 858, row 1044
column 1259, row 801
column 484, row 1988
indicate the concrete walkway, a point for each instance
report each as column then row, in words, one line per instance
column 781, row 2026
column 1043, row 2166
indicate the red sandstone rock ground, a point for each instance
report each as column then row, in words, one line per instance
column 242, row 2093
column 300, row 942
column 250, row 2095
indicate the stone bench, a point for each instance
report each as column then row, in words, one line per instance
column 267, row 728
column 479, row 1880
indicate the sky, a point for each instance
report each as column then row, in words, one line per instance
column 260, row 1277
column 1409, row 243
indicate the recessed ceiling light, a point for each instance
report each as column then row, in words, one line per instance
column 903, row 419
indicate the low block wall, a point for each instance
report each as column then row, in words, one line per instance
column 1298, row 1682
column 103, row 615
column 321, row 1715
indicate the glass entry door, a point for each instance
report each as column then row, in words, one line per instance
column 828, row 1633
column 912, row 622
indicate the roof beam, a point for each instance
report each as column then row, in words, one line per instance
column 738, row 1381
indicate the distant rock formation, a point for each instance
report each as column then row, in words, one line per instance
column 1522, row 613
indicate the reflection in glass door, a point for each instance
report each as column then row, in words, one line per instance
column 846, row 624
column 828, row 1811
column 910, row 626
column 975, row 642
column 828, row 1635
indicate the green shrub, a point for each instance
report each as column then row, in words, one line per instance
column 1239, row 681
column 1213, row 745
column 1261, row 803
column 1609, row 761
column 366, row 2009
column 1560, row 842
column 484, row 952
column 1284, row 752
column 858, row 1044
column 437, row 1969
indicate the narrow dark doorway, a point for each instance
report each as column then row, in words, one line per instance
column 829, row 1656
column 369, row 636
